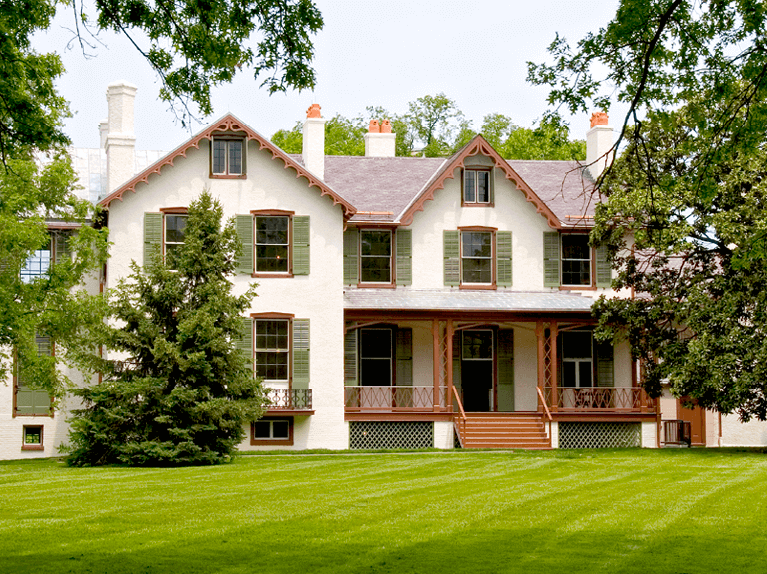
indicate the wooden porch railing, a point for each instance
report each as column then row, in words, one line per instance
column 289, row 399
column 624, row 399
column 387, row 398
column 459, row 421
column 545, row 410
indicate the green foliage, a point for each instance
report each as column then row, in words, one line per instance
column 439, row 127
column 184, row 391
column 687, row 193
column 54, row 304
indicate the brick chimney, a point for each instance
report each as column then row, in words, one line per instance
column 380, row 141
column 314, row 141
column 599, row 141
column 120, row 141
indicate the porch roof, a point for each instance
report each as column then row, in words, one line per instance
column 456, row 300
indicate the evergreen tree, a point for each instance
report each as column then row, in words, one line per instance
column 184, row 392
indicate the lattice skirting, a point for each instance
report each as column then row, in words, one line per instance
column 599, row 435
column 389, row 434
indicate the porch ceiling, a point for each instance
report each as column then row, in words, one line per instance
column 447, row 300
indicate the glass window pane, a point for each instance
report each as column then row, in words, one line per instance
column 568, row 374
column 576, row 247
column 262, row 429
column 375, row 260
column 36, row 265
column 477, row 244
column 483, row 187
column 584, row 374
column 375, row 270
column 477, row 344
column 375, row 372
column 235, row 157
column 175, row 228
column 576, row 345
column 280, row 429
column 219, row 156
column 375, row 343
column 469, row 186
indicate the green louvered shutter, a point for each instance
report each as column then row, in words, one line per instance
column 604, row 271
column 605, row 365
column 404, row 257
column 506, row 370
column 152, row 236
column 350, row 358
column 404, row 357
column 245, row 340
column 503, row 257
column 551, row 259
column 31, row 401
column 244, row 225
column 351, row 265
column 300, row 353
column 451, row 243
column 63, row 251
column 301, row 245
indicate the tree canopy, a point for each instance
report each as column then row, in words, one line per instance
column 435, row 127
column 192, row 46
column 184, row 390
column 684, row 203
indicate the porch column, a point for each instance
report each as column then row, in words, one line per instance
column 449, row 332
column 437, row 362
column 541, row 364
column 642, row 395
column 554, row 331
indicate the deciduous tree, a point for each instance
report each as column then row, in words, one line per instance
column 685, row 201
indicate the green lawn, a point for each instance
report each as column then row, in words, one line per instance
column 563, row 511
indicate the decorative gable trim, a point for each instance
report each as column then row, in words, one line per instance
column 229, row 124
column 478, row 145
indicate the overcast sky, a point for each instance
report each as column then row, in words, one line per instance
column 384, row 52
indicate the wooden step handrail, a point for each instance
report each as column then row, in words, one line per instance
column 460, row 428
column 543, row 402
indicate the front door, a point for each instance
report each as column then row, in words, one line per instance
column 696, row 416
column 477, row 370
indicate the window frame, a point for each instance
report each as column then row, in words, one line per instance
column 272, row 441
column 392, row 353
column 51, row 261
column 592, row 264
column 172, row 212
column 273, row 213
column 493, row 258
column 288, row 320
column 32, row 446
column 226, row 173
column 577, row 361
column 490, row 199
column 392, row 274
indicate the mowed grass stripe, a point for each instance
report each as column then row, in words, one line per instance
column 573, row 511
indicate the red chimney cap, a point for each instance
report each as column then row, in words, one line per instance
column 313, row 111
column 386, row 127
column 599, row 119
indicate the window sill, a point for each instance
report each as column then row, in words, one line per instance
column 224, row 176
column 577, row 288
column 32, row 447
column 271, row 442
column 471, row 287
column 477, row 204
column 18, row 414
column 376, row 286
column 272, row 275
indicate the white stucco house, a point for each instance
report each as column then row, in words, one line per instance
column 402, row 302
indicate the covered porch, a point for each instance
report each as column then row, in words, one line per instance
column 437, row 353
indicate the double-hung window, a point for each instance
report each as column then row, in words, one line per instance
column 576, row 260
column 476, row 187
column 227, row 158
column 376, row 355
column 577, row 359
column 477, row 257
column 375, row 256
column 38, row 263
column 272, row 244
column 30, row 401
column 174, row 233
column 272, row 349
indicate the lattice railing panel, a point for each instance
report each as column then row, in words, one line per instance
column 601, row 399
column 548, row 364
column 443, row 346
column 599, row 435
column 391, row 434
column 289, row 399
column 384, row 398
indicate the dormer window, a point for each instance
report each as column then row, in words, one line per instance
column 476, row 187
column 227, row 158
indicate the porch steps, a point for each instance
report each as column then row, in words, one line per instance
column 505, row 430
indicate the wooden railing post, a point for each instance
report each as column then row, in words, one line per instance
column 541, row 363
column 553, row 332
